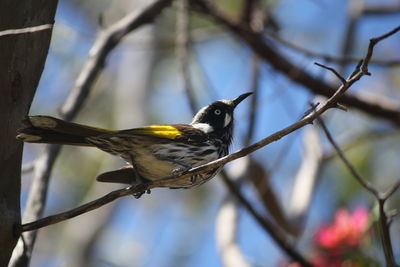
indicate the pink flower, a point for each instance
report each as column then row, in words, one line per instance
column 346, row 230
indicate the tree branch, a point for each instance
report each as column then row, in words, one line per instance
column 337, row 74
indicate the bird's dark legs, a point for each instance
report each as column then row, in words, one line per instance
column 138, row 180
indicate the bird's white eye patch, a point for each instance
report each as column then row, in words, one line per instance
column 217, row 112
column 227, row 120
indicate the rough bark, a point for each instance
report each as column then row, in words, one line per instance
column 22, row 58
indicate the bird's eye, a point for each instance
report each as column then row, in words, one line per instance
column 217, row 112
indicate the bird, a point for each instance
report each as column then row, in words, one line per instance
column 151, row 152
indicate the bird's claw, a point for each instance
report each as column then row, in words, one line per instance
column 139, row 194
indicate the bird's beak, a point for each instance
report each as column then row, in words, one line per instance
column 239, row 99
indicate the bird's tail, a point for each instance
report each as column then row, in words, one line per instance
column 46, row 129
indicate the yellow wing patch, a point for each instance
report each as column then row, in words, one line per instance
column 162, row 131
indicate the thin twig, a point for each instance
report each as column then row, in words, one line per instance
column 337, row 74
column 368, row 186
column 390, row 191
column 372, row 43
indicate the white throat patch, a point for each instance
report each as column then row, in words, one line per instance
column 207, row 128
column 227, row 120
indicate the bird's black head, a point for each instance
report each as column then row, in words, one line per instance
column 217, row 117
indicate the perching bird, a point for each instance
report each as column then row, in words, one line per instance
column 152, row 152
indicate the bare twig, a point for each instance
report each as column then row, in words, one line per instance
column 391, row 191
column 382, row 109
column 372, row 43
column 337, row 74
column 350, row 142
column 368, row 186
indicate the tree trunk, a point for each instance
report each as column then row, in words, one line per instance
column 22, row 58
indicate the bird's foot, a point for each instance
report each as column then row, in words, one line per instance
column 139, row 194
